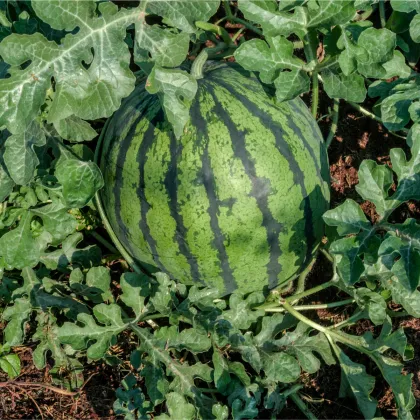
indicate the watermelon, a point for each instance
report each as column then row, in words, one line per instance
column 235, row 202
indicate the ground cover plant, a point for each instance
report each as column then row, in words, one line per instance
column 76, row 307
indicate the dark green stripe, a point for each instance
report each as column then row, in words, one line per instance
column 206, row 176
column 124, row 145
column 271, row 225
column 146, row 144
column 315, row 134
column 284, row 148
column 292, row 106
column 171, row 184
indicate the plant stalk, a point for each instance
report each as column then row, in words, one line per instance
column 327, row 255
column 311, row 291
column 198, row 64
column 228, row 10
column 310, row 42
column 334, row 125
column 314, row 307
column 344, row 338
column 215, row 29
column 296, row 297
column 302, row 277
column 315, row 93
column 351, row 320
column 104, row 242
column 382, row 13
column 302, row 406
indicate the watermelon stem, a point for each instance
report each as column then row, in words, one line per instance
column 198, row 64
column 298, row 296
column 230, row 16
column 382, row 13
column 314, row 307
column 302, row 406
column 300, row 287
column 327, row 255
column 310, row 45
column 334, row 125
column 104, row 242
column 228, row 10
column 215, row 29
column 315, row 93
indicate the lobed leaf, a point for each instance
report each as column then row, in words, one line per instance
column 88, row 92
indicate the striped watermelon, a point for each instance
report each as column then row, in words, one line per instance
column 236, row 202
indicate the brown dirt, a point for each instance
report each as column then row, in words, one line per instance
column 26, row 402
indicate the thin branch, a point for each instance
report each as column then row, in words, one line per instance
column 302, row 406
column 314, row 307
column 334, row 125
column 228, row 10
column 382, row 13
column 104, row 242
column 247, row 25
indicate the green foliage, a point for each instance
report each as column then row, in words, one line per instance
column 64, row 67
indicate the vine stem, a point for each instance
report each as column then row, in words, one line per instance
column 302, row 406
column 364, row 111
column 247, row 25
column 315, row 93
column 382, row 13
column 314, row 307
column 339, row 336
column 198, row 64
column 228, row 10
column 302, row 277
column 311, row 39
column 313, row 290
column 327, row 255
column 334, row 125
column 299, row 296
column 104, row 242
column 233, row 18
column 352, row 319
column 215, row 29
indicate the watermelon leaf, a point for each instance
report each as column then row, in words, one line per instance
column 178, row 407
column 400, row 253
column 89, row 93
column 183, row 14
column 92, row 336
column 374, row 184
column 356, row 382
column 20, row 157
column 163, row 47
column 301, row 345
column 80, row 181
column 9, row 362
column 271, row 59
column 130, row 399
column 47, row 335
column 177, row 89
column 20, row 248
